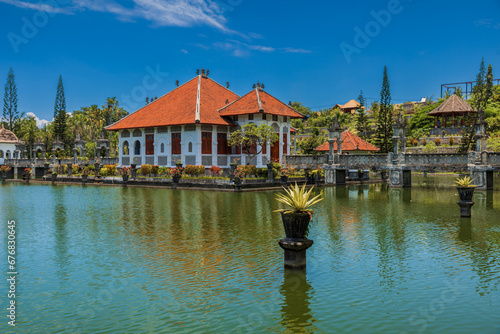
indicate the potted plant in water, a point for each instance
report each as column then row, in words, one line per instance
column 465, row 192
column 239, row 175
column 4, row 169
column 176, row 174
column 465, row 188
column 125, row 173
column 54, row 175
column 285, row 173
column 27, row 174
column 85, row 174
column 298, row 215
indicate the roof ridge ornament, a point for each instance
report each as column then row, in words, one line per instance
column 259, row 86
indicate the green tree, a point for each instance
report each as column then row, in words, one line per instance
column 10, row 112
column 488, row 88
column 384, row 131
column 362, row 119
column 250, row 136
column 60, row 112
column 308, row 144
column 29, row 132
column 420, row 123
column 95, row 117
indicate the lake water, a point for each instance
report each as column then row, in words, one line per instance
column 139, row 260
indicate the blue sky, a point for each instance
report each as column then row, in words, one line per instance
column 319, row 52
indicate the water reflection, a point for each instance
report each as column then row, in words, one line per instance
column 465, row 230
column 296, row 313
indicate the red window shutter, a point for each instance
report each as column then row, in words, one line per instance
column 176, row 143
column 264, row 148
column 206, row 143
column 222, row 147
column 150, row 148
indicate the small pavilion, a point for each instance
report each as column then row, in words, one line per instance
column 351, row 144
column 452, row 112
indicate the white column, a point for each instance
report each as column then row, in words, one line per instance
column 281, row 143
column 156, row 147
column 184, row 146
column 168, row 147
column 197, row 145
column 143, row 146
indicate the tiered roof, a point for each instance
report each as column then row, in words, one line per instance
column 197, row 101
column 258, row 101
column 453, row 104
column 351, row 142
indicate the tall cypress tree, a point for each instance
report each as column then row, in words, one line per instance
column 488, row 89
column 10, row 112
column 479, row 88
column 384, row 132
column 482, row 91
column 60, row 112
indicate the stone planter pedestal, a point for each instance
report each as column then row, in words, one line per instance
column 295, row 252
column 465, row 201
column 237, row 184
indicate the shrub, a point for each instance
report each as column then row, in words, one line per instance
column 111, row 170
column 240, row 172
column 437, row 141
column 424, row 142
column 155, row 169
column 262, row 172
column 215, row 171
column 91, row 168
column 452, row 141
column 163, row 171
column 145, row 169
column 103, row 171
column 430, row 147
column 250, row 170
column 75, row 169
column 193, row 170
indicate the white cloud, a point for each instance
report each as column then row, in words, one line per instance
column 180, row 13
column 36, row 6
column 40, row 123
column 240, row 49
column 184, row 51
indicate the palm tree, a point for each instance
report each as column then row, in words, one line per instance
column 94, row 117
column 29, row 132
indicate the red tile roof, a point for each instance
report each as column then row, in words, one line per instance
column 249, row 104
column 179, row 107
column 351, row 143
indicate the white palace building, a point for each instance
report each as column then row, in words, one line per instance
column 192, row 124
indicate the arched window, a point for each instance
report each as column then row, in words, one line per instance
column 137, row 133
column 162, row 148
column 137, row 148
column 1, row 154
column 190, row 147
column 125, row 148
column 7, row 155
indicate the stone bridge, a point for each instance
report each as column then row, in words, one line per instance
column 481, row 165
column 40, row 166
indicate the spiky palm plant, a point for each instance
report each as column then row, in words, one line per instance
column 297, row 199
column 464, row 182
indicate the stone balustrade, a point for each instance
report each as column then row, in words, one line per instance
column 41, row 162
column 305, row 161
column 418, row 162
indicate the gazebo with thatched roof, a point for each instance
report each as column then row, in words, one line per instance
column 454, row 109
